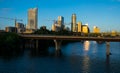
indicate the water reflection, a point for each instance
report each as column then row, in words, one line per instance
column 32, row 60
column 86, row 64
column 94, row 47
column 108, row 64
column 86, row 45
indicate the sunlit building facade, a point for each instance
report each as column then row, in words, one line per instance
column 96, row 29
column 59, row 24
column 60, row 20
column 32, row 18
column 11, row 29
column 85, row 29
column 79, row 26
column 20, row 27
column 53, row 27
column 73, row 23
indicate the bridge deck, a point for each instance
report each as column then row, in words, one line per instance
column 49, row 37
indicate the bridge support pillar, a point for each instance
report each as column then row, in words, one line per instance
column 36, row 44
column 57, row 46
column 30, row 44
column 107, row 48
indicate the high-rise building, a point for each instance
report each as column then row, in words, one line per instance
column 60, row 20
column 73, row 23
column 96, row 29
column 32, row 18
column 20, row 27
column 79, row 26
column 53, row 27
column 85, row 29
column 59, row 24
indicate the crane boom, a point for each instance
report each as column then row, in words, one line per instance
column 12, row 19
column 54, row 21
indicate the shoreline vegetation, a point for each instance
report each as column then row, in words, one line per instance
column 12, row 43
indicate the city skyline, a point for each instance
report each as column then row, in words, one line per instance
column 101, row 13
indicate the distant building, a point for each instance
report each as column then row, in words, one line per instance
column 59, row 24
column 32, row 18
column 29, row 31
column 67, row 28
column 43, row 27
column 113, row 33
column 20, row 27
column 73, row 23
column 2, row 31
column 60, row 21
column 79, row 26
column 11, row 29
column 85, row 29
column 96, row 29
column 53, row 27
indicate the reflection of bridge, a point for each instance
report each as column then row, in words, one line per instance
column 59, row 39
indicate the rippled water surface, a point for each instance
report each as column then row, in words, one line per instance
column 86, row 57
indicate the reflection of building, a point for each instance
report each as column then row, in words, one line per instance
column 20, row 27
column 85, row 29
column 32, row 18
column 79, row 26
column 11, row 29
column 96, row 29
column 86, row 45
column 73, row 23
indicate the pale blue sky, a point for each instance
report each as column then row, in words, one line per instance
column 102, row 13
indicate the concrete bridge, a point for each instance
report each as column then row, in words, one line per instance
column 58, row 40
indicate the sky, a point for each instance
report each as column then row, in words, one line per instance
column 104, row 14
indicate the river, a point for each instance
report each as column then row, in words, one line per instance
column 79, row 57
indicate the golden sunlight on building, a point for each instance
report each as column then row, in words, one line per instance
column 73, row 23
column 113, row 33
column 85, row 29
column 53, row 27
column 11, row 29
column 79, row 26
column 29, row 31
column 96, row 29
column 32, row 18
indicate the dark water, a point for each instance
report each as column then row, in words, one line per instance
column 87, row 57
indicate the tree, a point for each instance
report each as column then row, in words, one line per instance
column 42, row 31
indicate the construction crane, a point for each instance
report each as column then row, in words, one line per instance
column 54, row 21
column 15, row 20
column 67, row 23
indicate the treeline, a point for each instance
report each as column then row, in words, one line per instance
column 43, row 31
column 9, row 43
column 63, row 32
